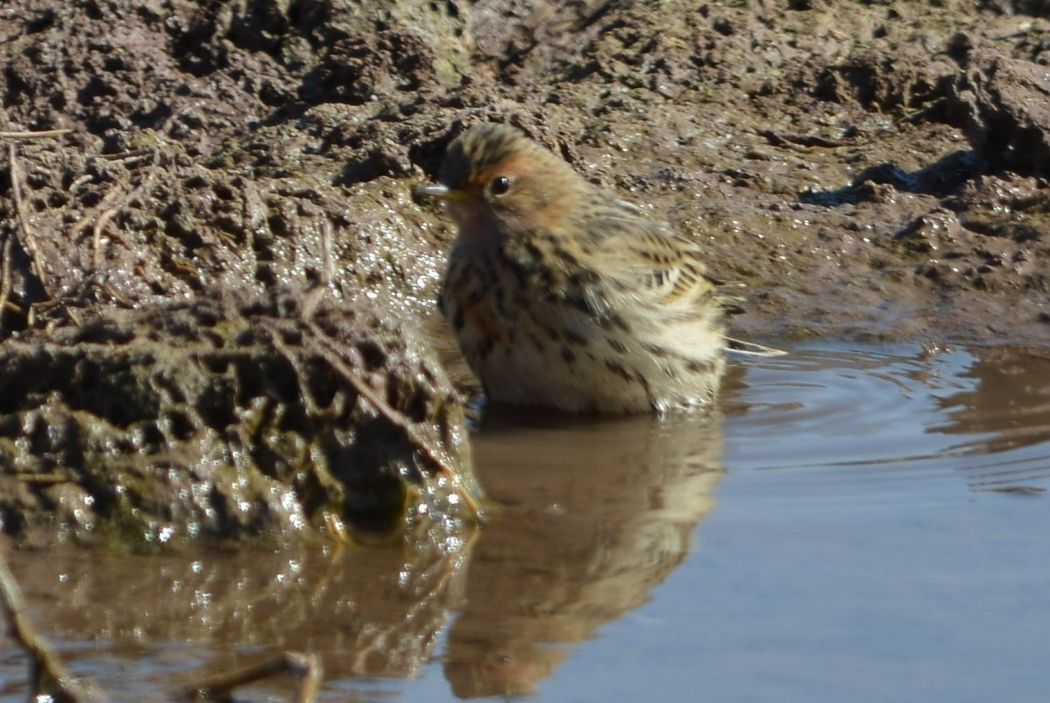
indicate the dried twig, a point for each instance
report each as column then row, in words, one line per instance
column 391, row 414
column 5, row 275
column 49, row 677
column 96, row 237
column 314, row 297
column 804, row 141
column 306, row 666
column 312, row 300
column 106, row 215
column 327, row 260
column 43, row 479
column 81, row 180
column 107, row 208
column 45, row 134
column 111, row 195
column 128, row 155
column 291, row 357
column 28, row 241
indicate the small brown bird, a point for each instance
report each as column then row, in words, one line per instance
column 562, row 295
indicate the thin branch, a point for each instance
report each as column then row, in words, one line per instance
column 43, row 479
column 306, row 666
column 5, row 275
column 312, row 300
column 327, row 262
column 45, row 134
column 107, row 208
column 28, row 241
column 107, row 215
column 392, row 415
column 81, row 180
column 291, row 357
column 96, row 237
column 111, row 195
column 47, row 670
column 128, row 155
column 804, row 142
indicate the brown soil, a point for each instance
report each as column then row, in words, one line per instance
column 869, row 170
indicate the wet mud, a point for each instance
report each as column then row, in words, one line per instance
column 225, row 418
column 868, row 170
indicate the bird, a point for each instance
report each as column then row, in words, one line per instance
column 562, row 295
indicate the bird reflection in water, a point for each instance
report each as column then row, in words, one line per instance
column 592, row 514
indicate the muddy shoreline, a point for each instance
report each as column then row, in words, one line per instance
column 869, row 171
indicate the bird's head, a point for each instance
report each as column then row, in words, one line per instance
column 494, row 181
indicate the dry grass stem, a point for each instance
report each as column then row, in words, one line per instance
column 306, row 666
column 434, row 456
column 5, row 276
column 25, row 134
column 27, row 238
column 104, row 216
column 49, row 677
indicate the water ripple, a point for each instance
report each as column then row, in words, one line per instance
column 856, row 416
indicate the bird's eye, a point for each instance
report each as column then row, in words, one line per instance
column 500, row 185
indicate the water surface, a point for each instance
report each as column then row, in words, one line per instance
column 855, row 523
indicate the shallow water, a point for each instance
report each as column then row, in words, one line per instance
column 856, row 523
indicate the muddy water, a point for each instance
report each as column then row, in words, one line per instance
column 862, row 524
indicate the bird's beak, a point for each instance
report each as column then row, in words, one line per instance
column 438, row 190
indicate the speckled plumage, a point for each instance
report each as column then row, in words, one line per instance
column 562, row 295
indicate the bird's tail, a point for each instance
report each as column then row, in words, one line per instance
column 738, row 346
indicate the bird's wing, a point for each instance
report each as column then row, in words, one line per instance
column 651, row 262
column 665, row 272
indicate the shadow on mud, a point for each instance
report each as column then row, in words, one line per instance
column 880, row 182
